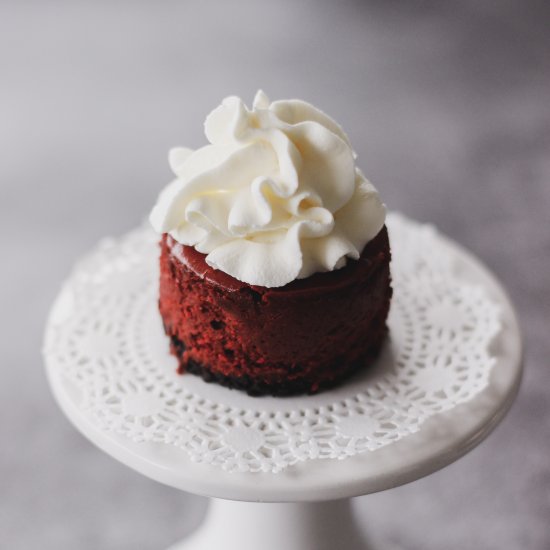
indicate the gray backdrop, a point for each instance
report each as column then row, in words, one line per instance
column 448, row 108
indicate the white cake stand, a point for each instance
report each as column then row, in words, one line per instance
column 306, row 506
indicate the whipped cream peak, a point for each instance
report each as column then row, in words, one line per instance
column 274, row 197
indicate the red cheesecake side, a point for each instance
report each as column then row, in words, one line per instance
column 299, row 338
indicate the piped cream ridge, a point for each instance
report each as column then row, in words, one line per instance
column 276, row 195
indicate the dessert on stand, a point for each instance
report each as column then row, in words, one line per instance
column 274, row 265
column 281, row 471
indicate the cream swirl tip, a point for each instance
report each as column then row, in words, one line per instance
column 276, row 195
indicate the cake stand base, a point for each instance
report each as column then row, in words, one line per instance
column 280, row 472
column 234, row 525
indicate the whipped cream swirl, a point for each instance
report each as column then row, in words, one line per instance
column 275, row 197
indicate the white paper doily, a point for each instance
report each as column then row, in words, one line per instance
column 104, row 338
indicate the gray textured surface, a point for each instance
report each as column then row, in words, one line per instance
column 448, row 109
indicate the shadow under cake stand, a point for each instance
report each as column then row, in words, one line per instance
column 109, row 368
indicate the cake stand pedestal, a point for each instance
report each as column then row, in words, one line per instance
column 258, row 501
column 235, row 525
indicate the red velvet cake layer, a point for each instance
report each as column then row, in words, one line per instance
column 298, row 338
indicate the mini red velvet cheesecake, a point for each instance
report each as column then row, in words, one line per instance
column 274, row 264
column 299, row 338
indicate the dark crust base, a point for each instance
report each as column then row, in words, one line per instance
column 258, row 388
